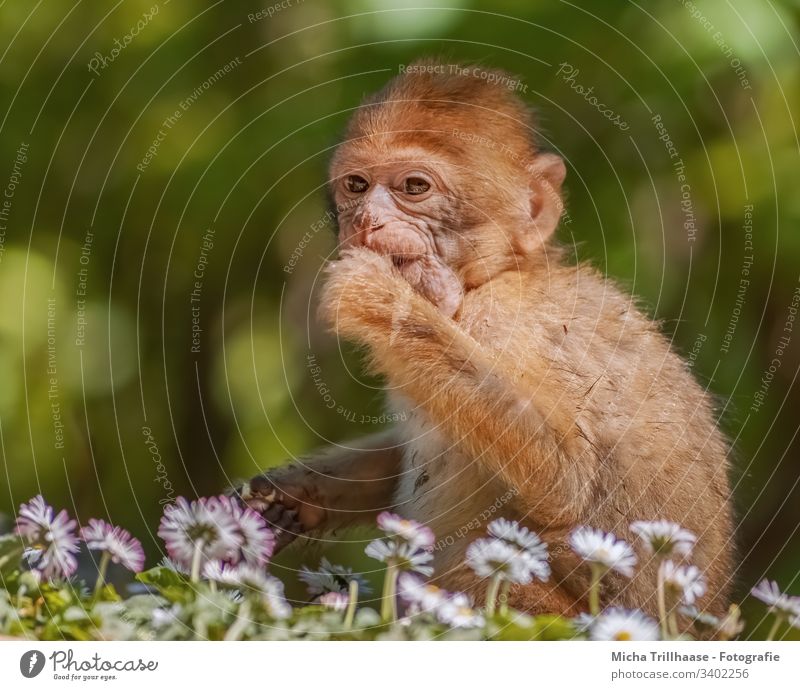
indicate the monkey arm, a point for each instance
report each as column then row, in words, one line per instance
column 527, row 435
column 335, row 487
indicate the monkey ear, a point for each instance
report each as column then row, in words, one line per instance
column 547, row 173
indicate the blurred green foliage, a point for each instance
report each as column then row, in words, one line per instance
column 240, row 112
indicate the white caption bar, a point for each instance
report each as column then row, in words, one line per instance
column 370, row 665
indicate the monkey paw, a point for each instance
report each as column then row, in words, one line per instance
column 362, row 294
column 289, row 511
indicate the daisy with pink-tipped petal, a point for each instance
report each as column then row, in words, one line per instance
column 336, row 601
column 413, row 533
column 258, row 540
column 407, row 550
column 221, row 573
column 117, row 545
column 50, row 539
column 117, row 542
column 197, row 531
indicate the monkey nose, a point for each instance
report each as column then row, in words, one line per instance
column 367, row 222
column 367, row 228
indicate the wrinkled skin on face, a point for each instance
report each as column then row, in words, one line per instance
column 400, row 209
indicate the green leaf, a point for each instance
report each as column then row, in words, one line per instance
column 57, row 600
column 517, row 626
column 173, row 586
column 109, row 593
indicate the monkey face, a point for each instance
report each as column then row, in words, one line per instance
column 401, row 208
column 395, row 208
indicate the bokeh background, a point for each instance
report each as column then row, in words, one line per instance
column 163, row 222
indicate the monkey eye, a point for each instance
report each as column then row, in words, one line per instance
column 356, row 184
column 416, row 185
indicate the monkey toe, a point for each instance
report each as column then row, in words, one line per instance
column 284, row 524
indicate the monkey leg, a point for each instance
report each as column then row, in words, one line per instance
column 336, row 487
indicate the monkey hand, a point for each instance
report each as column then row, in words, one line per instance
column 436, row 282
column 284, row 498
column 364, row 295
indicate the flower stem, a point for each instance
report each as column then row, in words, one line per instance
column 491, row 593
column 351, row 605
column 101, row 574
column 505, row 588
column 594, row 590
column 673, row 624
column 662, row 603
column 389, row 601
column 240, row 625
column 198, row 552
column 774, row 629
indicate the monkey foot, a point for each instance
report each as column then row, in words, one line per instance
column 269, row 502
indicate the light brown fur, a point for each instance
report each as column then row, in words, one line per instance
column 534, row 389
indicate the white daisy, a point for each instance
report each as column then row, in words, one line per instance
column 457, row 612
column 50, row 539
column 698, row 617
column 620, row 625
column 167, row 562
column 779, row 603
column 116, row 542
column 686, row 582
column 332, row 578
column 162, row 617
column 491, row 557
column 596, row 546
column 403, row 555
column 275, row 600
column 203, row 524
column 664, row 538
column 251, row 579
column 583, row 621
column 414, row 590
column 410, row 531
column 336, row 601
column 520, row 536
column 221, row 572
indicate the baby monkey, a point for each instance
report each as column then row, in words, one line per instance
column 532, row 388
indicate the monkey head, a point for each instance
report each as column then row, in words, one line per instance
column 441, row 172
